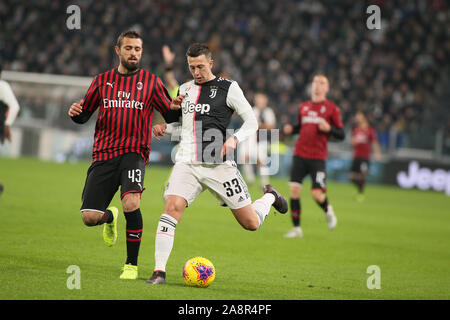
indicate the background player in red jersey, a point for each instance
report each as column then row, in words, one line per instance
column 363, row 138
column 318, row 119
column 125, row 98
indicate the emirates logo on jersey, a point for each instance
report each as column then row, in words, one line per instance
column 119, row 103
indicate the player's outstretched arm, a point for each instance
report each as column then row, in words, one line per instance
column 160, row 130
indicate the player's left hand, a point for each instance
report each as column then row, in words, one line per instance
column 324, row 126
column 229, row 145
column 176, row 103
column 159, row 130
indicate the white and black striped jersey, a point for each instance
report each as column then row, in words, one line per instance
column 206, row 112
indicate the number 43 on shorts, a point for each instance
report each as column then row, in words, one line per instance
column 135, row 175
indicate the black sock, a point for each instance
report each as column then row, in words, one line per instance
column 107, row 217
column 296, row 212
column 134, row 234
column 360, row 185
column 323, row 205
column 355, row 182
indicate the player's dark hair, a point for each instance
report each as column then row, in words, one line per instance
column 197, row 49
column 127, row 34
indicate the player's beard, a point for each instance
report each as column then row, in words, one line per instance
column 131, row 67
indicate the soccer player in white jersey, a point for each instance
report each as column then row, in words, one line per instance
column 202, row 160
column 9, row 108
column 254, row 149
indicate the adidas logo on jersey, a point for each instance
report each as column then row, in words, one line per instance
column 192, row 107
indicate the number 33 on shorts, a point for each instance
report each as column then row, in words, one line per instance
column 232, row 187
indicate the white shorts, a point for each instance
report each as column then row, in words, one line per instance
column 223, row 180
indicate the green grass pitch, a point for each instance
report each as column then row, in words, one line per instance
column 406, row 233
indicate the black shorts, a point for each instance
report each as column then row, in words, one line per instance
column 301, row 167
column 104, row 178
column 360, row 165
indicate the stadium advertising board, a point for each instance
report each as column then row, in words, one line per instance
column 423, row 175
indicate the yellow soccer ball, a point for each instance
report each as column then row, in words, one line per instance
column 198, row 272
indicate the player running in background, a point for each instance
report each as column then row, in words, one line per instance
column 255, row 148
column 363, row 138
column 9, row 108
column 125, row 98
column 318, row 120
column 207, row 107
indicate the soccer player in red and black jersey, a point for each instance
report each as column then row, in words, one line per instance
column 125, row 98
column 364, row 137
column 318, row 120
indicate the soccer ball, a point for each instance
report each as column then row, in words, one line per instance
column 198, row 272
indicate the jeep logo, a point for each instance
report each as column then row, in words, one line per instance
column 424, row 178
column 191, row 107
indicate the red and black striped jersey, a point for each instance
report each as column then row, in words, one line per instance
column 125, row 104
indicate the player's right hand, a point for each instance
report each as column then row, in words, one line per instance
column 159, row 130
column 76, row 108
column 287, row 129
column 176, row 103
column 324, row 126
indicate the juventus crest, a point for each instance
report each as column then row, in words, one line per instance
column 212, row 93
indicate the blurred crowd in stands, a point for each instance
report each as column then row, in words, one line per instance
column 397, row 74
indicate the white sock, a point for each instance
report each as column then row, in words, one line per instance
column 165, row 234
column 262, row 206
